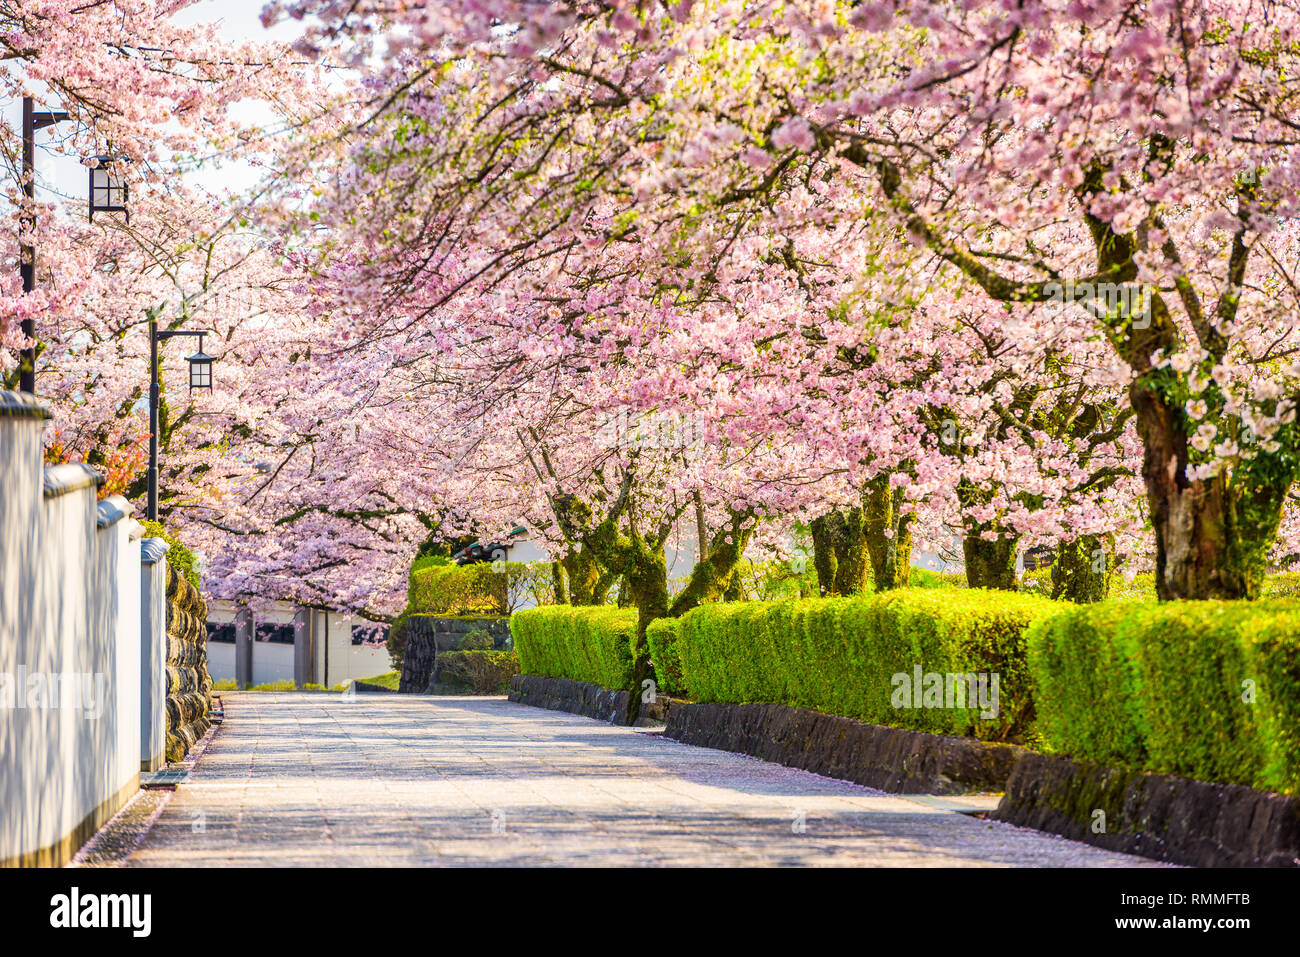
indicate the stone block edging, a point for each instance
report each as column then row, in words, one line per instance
column 1159, row 816
column 575, row 697
column 888, row 759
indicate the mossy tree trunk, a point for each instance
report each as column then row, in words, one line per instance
column 714, row 575
column 1083, row 569
column 840, row 552
column 990, row 564
column 1212, row 533
column 640, row 561
column 588, row 583
column 887, row 530
column 824, row 552
column 559, row 584
column 988, row 549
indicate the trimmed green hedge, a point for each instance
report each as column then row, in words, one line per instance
column 1164, row 688
column 842, row 655
column 484, row 672
column 454, row 590
column 661, row 635
column 585, row 643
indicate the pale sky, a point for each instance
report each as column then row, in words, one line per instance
column 66, row 176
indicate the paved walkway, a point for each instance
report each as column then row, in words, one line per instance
column 321, row 779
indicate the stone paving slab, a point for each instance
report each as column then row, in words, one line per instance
column 318, row 779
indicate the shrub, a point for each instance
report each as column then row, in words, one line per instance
column 772, row 580
column 661, row 635
column 398, row 635
column 1166, row 688
column 842, row 655
column 178, row 556
column 927, row 578
column 284, row 684
column 485, row 672
column 477, row 640
column 390, row 679
column 452, row 590
column 1100, row 716
column 596, row 644
column 429, row 561
column 530, row 581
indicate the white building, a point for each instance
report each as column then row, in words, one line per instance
column 281, row 641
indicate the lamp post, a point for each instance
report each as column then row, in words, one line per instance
column 200, row 378
column 32, row 121
column 107, row 194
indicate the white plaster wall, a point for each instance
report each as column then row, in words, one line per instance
column 70, row 614
column 221, row 660
column 153, row 659
column 346, row 660
column 272, row 661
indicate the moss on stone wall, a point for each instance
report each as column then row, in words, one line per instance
column 189, row 686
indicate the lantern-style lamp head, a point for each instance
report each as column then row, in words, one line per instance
column 108, row 190
column 200, row 368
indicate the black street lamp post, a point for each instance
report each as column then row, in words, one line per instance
column 107, row 194
column 200, row 378
column 32, row 121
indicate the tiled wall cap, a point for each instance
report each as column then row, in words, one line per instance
column 62, row 479
column 20, row 405
column 152, row 549
column 112, row 510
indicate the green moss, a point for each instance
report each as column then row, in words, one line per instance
column 477, row 640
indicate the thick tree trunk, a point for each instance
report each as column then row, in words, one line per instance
column 824, row 552
column 1212, row 536
column 646, row 578
column 888, row 534
column 990, row 564
column 840, row 552
column 588, row 583
column 1083, row 569
column 852, row 565
column 559, row 584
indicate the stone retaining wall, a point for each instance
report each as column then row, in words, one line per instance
column 890, row 759
column 428, row 635
column 189, row 686
column 1156, row 815
column 575, row 697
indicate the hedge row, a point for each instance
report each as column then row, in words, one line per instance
column 862, row 657
column 593, row 643
column 456, row 590
column 661, row 635
column 1206, row 690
